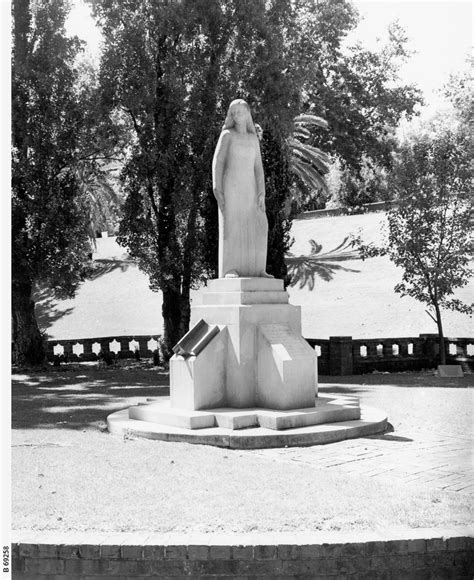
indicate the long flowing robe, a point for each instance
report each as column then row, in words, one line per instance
column 243, row 226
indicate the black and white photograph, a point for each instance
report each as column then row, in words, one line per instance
column 239, row 289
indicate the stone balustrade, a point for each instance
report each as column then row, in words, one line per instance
column 338, row 355
column 90, row 349
column 343, row 355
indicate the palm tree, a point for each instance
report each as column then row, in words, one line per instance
column 308, row 164
column 99, row 184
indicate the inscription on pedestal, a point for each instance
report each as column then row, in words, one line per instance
column 280, row 336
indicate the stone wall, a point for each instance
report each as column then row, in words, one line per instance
column 337, row 211
column 344, row 355
column 414, row 554
column 338, row 355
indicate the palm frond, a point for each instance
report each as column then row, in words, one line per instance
column 311, row 155
column 308, row 163
column 301, row 133
column 311, row 120
column 308, row 175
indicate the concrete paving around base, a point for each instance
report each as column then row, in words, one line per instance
column 432, row 441
column 432, row 438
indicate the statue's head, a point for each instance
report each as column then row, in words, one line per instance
column 239, row 109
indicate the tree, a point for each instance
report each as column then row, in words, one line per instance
column 459, row 90
column 357, row 91
column 429, row 230
column 363, row 101
column 49, row 215
column 353, row 189
column 172, row 68
column 101, row 151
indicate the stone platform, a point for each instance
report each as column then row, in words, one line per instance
column 332, row 419
column 327, row 409
column 244, row 377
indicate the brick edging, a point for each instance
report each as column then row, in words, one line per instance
column 317, row 554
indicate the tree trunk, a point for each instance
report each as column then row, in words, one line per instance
column 442, row 346
column 28, row 345
column 185, row 312
column 171, row 311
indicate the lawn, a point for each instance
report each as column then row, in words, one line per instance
column 70, row 474
column 350, row 296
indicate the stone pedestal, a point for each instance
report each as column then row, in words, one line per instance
column 244, row 367
column 243, row 377
column 257, row 359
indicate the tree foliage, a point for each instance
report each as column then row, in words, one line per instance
column 358, row 92
column 353, row 189
column 50, row 217
column 460, row 91
column 361, row 97
column 429, row 231
column 171, row 69
column 308, row 164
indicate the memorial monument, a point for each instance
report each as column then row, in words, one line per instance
column 244, row 365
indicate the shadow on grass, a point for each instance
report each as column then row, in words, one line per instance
column 356, row 383
column 80, row 399
column 342, row 390
column 387, row 437
column 102, row 266
column 304, row 270
column 49, row 308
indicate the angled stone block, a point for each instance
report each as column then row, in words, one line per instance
column 198, row 381
column 241, row 322
column 286, row 370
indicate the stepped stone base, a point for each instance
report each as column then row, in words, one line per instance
column 236, row 429
column 244, row 377
column 328, row 409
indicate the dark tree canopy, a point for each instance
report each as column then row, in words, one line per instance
column 359, row 93
column 171, row 70
column 50, row 217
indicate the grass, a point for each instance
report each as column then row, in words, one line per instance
column 70, row 474
column 358, row 301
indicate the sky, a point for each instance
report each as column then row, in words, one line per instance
column 439, row 31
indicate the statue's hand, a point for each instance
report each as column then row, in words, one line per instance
column 261, row 201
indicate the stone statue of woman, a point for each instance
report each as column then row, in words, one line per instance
column 239, row 187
